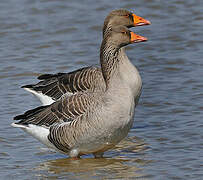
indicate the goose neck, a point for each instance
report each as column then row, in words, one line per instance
column 109, row 60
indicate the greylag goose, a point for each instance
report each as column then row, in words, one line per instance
column 53, row 86
column 91, row 123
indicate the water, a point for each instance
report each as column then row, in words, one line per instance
column 60, row 36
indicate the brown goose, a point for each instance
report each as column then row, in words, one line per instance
column 53, row 86
column 91, row 123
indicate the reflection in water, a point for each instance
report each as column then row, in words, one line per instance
column 87, row 168
column 132, row 144
column 122, row 166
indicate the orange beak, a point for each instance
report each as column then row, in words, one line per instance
column 136, row 38
column 139, row 21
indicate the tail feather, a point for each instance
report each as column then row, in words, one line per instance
column 29, row 113
column 16, row 125
column 41, row 85
column 45, row 99
column 48, row 76
column 30, row 86
column 46, row 90
column 38, row 132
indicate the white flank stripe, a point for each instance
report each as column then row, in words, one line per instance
column 45, row 100
column 38, row 132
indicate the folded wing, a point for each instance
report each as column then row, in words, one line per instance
column 64, row 110
column 56, row 85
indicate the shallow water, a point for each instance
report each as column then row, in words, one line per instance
column 60, row 36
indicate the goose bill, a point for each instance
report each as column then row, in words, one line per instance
column 139, row 21
column 136, row 38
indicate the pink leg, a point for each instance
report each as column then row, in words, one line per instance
column 98, row 155
column 75, row 158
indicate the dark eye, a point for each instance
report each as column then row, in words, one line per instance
column 127, row 15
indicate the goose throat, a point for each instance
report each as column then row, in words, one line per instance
column 109, row 61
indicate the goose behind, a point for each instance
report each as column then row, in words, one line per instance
column 87, row 79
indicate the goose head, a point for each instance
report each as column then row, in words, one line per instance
column 125, row 18
column 120, row 36
column 115, row 38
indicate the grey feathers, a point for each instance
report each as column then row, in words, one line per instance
column 56, row 85
column 64, row 110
